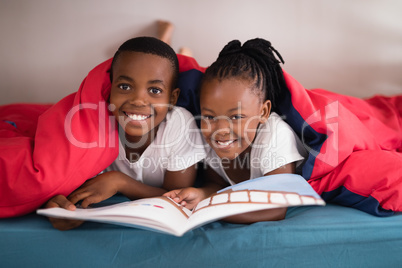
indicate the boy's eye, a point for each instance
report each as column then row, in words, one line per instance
column 236, row 117
column 124, row 87
column 155, row 90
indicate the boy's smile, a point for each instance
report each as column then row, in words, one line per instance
column 137, row 117
column 142, row 93
column 231, row 113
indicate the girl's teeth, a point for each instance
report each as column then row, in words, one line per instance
column 224, row 143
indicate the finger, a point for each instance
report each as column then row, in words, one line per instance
column 52, row 203
column 60, row 201
column 176, row 198
column 78, row 196
column 91, row 200
column 183, row 196
column 66, row 204
column 171, row 194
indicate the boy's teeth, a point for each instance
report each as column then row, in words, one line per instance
column 224, row 143
column 137, row 116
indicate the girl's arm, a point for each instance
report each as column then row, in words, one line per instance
column 213, row 182
column 275, row 214
column 190, row 197
column 180, row 179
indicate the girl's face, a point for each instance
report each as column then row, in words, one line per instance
column 231, row 113
column 141, row 92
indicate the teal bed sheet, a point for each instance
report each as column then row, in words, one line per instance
column 330, row 236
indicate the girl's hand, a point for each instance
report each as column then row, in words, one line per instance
column 97, row 189
column 186, row 197
column 60, row 201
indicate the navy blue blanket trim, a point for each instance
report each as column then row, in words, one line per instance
column 344, row 197
column 311, row 139
column 11, row 123
column 188, row 83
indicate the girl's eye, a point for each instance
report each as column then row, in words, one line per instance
column 207, row 117
column 124, row 87
column 155, row 90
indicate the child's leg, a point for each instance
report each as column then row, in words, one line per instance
column 185, row 51
column 165, row 31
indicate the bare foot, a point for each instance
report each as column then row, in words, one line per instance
column 185, row 51
column 165, row 31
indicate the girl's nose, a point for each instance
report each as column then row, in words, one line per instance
column 223, row 125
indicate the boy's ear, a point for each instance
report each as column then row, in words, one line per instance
column 265, row 111
column 174, row 96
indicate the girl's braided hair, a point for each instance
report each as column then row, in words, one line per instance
column 254, row 61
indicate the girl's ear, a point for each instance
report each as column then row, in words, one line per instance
column 173, row 97
column 265, row 111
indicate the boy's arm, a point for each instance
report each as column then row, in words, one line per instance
column 109, row 183
column 173, row 179
column 60, row 201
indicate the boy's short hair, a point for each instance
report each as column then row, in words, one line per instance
column 149, row 45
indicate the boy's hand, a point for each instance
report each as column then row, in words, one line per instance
column 186, row 197
column 60, row 201
column 96, row 190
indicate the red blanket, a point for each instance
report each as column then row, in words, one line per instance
column 355, row 145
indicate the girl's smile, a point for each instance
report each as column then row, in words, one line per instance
column 231, row 114
column 224, row 143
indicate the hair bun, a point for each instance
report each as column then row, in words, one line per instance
column 253, row 48
column 259, row 45
column 231, row 48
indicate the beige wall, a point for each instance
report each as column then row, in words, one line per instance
column 352, row 47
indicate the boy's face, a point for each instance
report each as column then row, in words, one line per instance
column 231, row 113
column 141, row 92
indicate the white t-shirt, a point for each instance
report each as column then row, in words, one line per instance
column 275, row 145
column 178, row 145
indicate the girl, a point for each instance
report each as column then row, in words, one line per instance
column 246, row 139
column 159, row 144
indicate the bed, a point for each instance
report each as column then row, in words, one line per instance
column 330, row 236
column 360, row 180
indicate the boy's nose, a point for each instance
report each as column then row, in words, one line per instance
column 138, row 98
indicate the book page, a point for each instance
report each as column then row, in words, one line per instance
column 164, row 215
column 267, row 192
column 159, row 213
column 231, row 202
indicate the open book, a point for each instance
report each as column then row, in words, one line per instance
column 164, row 215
